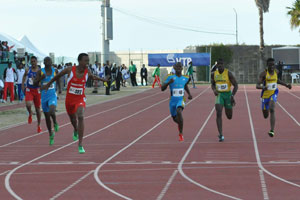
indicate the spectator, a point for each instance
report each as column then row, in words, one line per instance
column 118, row 78
column 4, row 51
column 279, row 68
column 20, row 74
column 132, row 70
column 9, row 80
column 125, row 75
column 156, row 75
column 190, row 73
column 107, row 76
column 144, row 74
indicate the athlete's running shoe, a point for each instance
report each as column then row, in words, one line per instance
column 181, row 139
column 56, row 128
column 29, row 119
column 75, row 135
column 39, row 129
column 81, row 149
column 271, row 133
column 221, row 138
column 51, row 139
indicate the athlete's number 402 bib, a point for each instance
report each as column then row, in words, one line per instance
column 222, row 87
column 76, row 91
column 272, row 86
column 178, row 92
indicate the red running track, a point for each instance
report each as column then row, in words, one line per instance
column 132, row 152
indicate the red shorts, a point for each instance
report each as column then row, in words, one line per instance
column 33, row 95
column 72, row 107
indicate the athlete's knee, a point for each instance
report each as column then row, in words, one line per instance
column 219, row 113
column 266, row 114
column 174, row 118
column 229, row 116
column 179, row 111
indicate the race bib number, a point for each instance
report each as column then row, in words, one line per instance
column 222, row 87
column 51, row 86
column 30, row 81
column 178, row 92
column 76, row 91
column 272, row 86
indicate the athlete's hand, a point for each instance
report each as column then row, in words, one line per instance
column 190, row 97
column 171, row 81
column 289, row 86
column 232, row 100
column 264, row 88
column 216, row 92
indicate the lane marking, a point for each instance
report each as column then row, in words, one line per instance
column 263, row 185
column 71, row 186
column 87, row 117
column 179, row 167
column 97, row 170
column 7, row 178
column 4, row 172
column 290, row 115
column 256, row 147
column 164, row 191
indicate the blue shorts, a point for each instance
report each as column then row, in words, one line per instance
column 265, row 101
column 50, row 101
column 174, row 104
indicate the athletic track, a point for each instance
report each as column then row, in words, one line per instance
column 133, row 152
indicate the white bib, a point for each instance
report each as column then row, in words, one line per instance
column 178, row 92
column 272, row 86
column 51, row 86
column 222, row 87
column 76, row 91
column 30, row 81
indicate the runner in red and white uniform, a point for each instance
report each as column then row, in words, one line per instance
column 75, row 98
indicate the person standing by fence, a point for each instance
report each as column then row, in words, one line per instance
column 144, row 74
column 132, row 70
column 20, row 74
column 190, row 73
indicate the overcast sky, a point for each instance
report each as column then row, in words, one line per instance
column 68, row 28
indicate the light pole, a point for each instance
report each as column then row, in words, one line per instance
column 236, row 26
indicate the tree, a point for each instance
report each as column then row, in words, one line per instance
column 263, row 7
column 294, row 13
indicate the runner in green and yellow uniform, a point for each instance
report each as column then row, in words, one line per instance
column 221, row 81
column 268, row 81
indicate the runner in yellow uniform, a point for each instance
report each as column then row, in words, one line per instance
column 221, row 81
column 268, row 83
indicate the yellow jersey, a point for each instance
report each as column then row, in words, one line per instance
column 223, row 83
column 271, row 84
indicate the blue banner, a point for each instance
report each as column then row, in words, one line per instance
column 169, row 59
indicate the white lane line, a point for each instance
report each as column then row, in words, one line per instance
column 71, row 186
column 164, row 191
column 4, row 172
column 7, row 178
column 293, row 94
column 291, row 116
column 87, row 117
column 97, row 170
column 263, row 185
column 179, row 167
column 25, row 122
column 256, row 148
